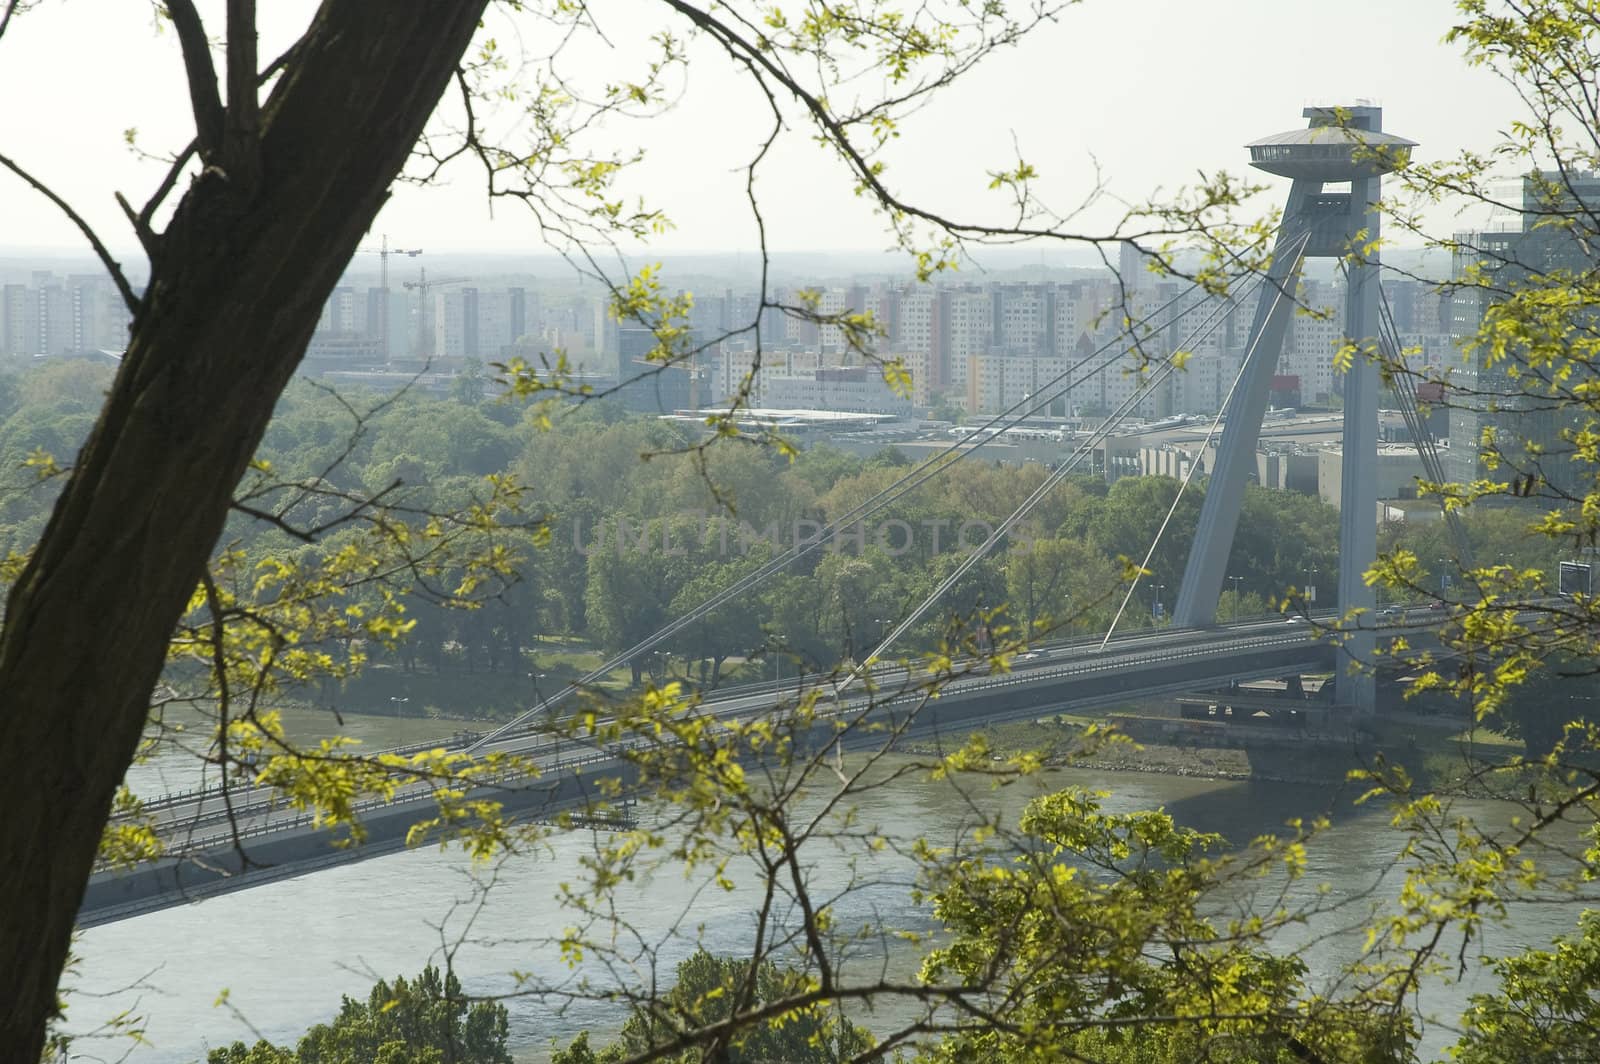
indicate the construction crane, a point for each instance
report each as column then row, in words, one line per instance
column 383, row 251
column 425, row 310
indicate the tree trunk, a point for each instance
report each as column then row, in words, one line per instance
column 236, row 288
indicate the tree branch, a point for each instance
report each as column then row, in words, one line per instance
column 278, row 64
column 241, row 149
column 311, row 534
column 167, row 182
column 147, row 237
column 5, row 17
column 202, row 75
column 112, row 266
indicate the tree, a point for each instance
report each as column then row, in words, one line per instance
column 1539, row 709
column 710, row 989
column 1054, row 578
column 425, row 1021
column 1545, row 1010
column 632, row 582
column 235, row 290
column 1282, row 536
column 735, row 629
column 263, row 1052
column 1075, row 926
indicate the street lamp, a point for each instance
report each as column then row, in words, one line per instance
column 1311, row 589
column 1236, row 581
column 1159, row 608
column 538, row 698
column 397, row 702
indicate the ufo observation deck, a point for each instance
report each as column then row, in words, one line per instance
column 1331, row 152
column 1338, row 144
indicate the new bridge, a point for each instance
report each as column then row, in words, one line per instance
column 224, row 841
column 242, row 837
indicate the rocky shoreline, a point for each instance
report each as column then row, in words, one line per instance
column 1313, row 763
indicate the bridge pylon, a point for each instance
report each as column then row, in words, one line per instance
column 1336, row 164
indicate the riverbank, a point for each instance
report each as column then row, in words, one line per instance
column 1437, row 752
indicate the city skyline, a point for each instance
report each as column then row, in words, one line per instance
column 981, row 342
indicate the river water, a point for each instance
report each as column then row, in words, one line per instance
column 275, row 959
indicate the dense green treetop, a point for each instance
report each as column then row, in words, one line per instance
column 426, row 1020
column 707, row 990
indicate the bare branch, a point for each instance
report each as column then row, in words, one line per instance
column 279, row 64
column 203, row 96
column 751, row 53
column 241, row 149
column 310, row 535
column 147, row 237
column 112, row 265
column 167, row 182
column 5, row 18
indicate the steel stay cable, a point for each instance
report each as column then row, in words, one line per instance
column 1222, row 409
column 1060, row 473
column 1405, row 390
column 1404, row 387
column 940, row 462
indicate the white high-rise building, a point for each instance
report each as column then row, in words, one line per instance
column 915, row 327
column 478, row 323
column 1315, row 334
column 1071, row 320
column 54, row 322
column 1022, row 319
column 450, row 322
column 1203, row 384
column 998, row 382
column 1133, row 266
column 55, row 316
column 502, row 320
column 16, row 320
column 970, row 318
column 830, row 338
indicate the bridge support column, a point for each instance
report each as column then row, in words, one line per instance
column 1358, row 482
column 1336, row 164
column 1236, row 452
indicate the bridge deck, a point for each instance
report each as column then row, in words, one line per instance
column 223, row 853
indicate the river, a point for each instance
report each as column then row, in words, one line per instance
column 275, row 959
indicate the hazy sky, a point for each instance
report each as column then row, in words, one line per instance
column 1153, row 89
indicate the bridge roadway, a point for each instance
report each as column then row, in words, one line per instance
column 247, row 838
